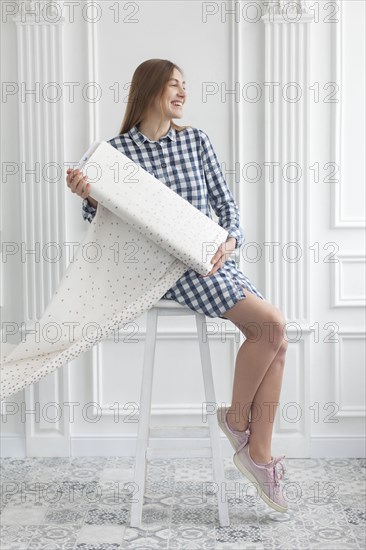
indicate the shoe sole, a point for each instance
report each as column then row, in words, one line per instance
column 251, row 478
column 233, row 442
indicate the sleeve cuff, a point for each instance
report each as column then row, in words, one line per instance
column 237, row 233
column 88, row 210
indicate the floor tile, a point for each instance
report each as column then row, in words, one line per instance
column 85, row 503
column 191, row 537
column 106, row 515
column 101, row 534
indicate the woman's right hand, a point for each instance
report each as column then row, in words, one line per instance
column 78, row 184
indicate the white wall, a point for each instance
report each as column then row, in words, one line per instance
column 324, row 379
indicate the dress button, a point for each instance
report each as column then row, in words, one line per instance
column 163, row 165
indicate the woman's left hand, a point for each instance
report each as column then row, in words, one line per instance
column 221, row 255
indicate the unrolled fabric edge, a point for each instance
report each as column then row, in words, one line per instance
column 142, row 304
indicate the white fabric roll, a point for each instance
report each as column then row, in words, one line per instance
column 144, row 236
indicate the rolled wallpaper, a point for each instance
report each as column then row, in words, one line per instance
column 142, row 239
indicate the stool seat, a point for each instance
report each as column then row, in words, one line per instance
column 164, row 302
column 171, row 307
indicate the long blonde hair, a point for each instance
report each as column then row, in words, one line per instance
column 148, row 82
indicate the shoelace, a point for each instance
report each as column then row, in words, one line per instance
column 278, row 475
column 278, row 460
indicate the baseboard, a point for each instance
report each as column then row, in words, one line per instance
column 338, row 447
column 13, row 445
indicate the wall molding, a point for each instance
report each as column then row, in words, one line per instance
column 42, row 197
column 287, row 140
column 93, row 76
column 356, row 411
column 338, row 219
column 39, row 12
column 337, row 282
column 45, row 437
column 279, row 7
column 236, row 116
column 41, row 147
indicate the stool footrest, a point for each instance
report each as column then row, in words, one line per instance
column 184, row 452
column 179, row 431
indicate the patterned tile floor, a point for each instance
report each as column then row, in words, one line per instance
column 84, row 503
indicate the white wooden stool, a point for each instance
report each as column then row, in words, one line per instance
column 143, row 452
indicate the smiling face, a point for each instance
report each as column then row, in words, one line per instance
column 174, row 96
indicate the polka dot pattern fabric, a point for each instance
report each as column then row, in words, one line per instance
column 143, row 237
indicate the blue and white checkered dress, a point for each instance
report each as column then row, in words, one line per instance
column 186, row 162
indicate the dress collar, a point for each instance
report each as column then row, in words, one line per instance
column 140, row 138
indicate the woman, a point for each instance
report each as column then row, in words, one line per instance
column 183, row 158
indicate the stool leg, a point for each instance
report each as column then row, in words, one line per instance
column 217, row 459
column 144, row 417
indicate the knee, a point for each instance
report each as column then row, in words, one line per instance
column 283, row 348
column 276, row 331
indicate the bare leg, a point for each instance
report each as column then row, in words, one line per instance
column 266, row 401
column 258, row 371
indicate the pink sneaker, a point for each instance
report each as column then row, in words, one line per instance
column 235, row 437
column 265, row 477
